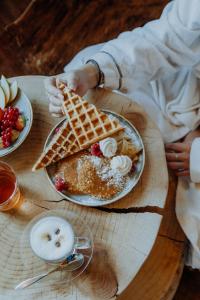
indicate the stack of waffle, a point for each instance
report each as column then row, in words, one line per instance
column 84, row 126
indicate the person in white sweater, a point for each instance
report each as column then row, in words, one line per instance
column 158, row 66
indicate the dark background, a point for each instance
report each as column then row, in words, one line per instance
column 41, row 36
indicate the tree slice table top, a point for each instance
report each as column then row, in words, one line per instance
column 133, row 254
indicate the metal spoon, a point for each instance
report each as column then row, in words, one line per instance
column 74, row 261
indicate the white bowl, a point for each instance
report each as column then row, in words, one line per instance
column 24, row 105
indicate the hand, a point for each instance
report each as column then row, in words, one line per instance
column 79, row 81
column 178, row 158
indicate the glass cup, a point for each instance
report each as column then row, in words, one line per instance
column 10, row 196
column 53, row 240
column 33, row 264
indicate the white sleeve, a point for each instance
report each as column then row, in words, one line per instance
column 155, row 50
column 195, row 161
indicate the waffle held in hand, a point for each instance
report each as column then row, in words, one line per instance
column 84, row 126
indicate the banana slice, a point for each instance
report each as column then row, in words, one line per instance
column 52, row 238
column 6, row 88
column 2, row 99
column 13, row 90
column 126, row 147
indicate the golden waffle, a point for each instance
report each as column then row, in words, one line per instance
column 85, row 126
column 62, row 145
column 88, row 124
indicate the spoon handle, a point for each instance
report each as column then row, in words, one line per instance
column 69, row 260
column 32, row 280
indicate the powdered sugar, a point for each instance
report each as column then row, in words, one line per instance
column 96, row 161
column 112, row 177
column 104, row 171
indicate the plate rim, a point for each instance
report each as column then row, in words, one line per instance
column 103, row 202
column 18, row 144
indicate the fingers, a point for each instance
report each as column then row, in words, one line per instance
column 55, row 101
column 177, row 147
column 179, row 168
column 183, row 173
column 178, row 165
column 71, row 81
column 55, row 97
column 177, row 157
column 57, row 115
column 55, row 109
column 50, row 86
column 55, row 106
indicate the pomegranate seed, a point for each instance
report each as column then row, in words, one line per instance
column 8, row 118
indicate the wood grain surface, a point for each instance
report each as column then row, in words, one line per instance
column 110, row 23
column 123, row 235
column 50, row 32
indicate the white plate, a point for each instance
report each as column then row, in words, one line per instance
column 88, row 200
column 24, row 105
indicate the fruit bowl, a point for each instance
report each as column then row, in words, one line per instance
column 16, row 117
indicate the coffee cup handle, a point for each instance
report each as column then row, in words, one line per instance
column 82, row 243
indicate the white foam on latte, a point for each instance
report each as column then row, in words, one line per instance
column 52, row 238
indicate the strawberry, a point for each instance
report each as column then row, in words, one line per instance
column 60, row 184
column 95, row 150
column 20, row 123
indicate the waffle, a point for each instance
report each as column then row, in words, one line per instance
column 85, row 126
column 62, row 145
column 88, row 124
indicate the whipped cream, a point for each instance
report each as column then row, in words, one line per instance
column 108, row 147
column 121, row 164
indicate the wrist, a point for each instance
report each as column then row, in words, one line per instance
column 95, row 64
column 91, row 72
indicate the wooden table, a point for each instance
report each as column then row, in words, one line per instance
column 134, row 257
